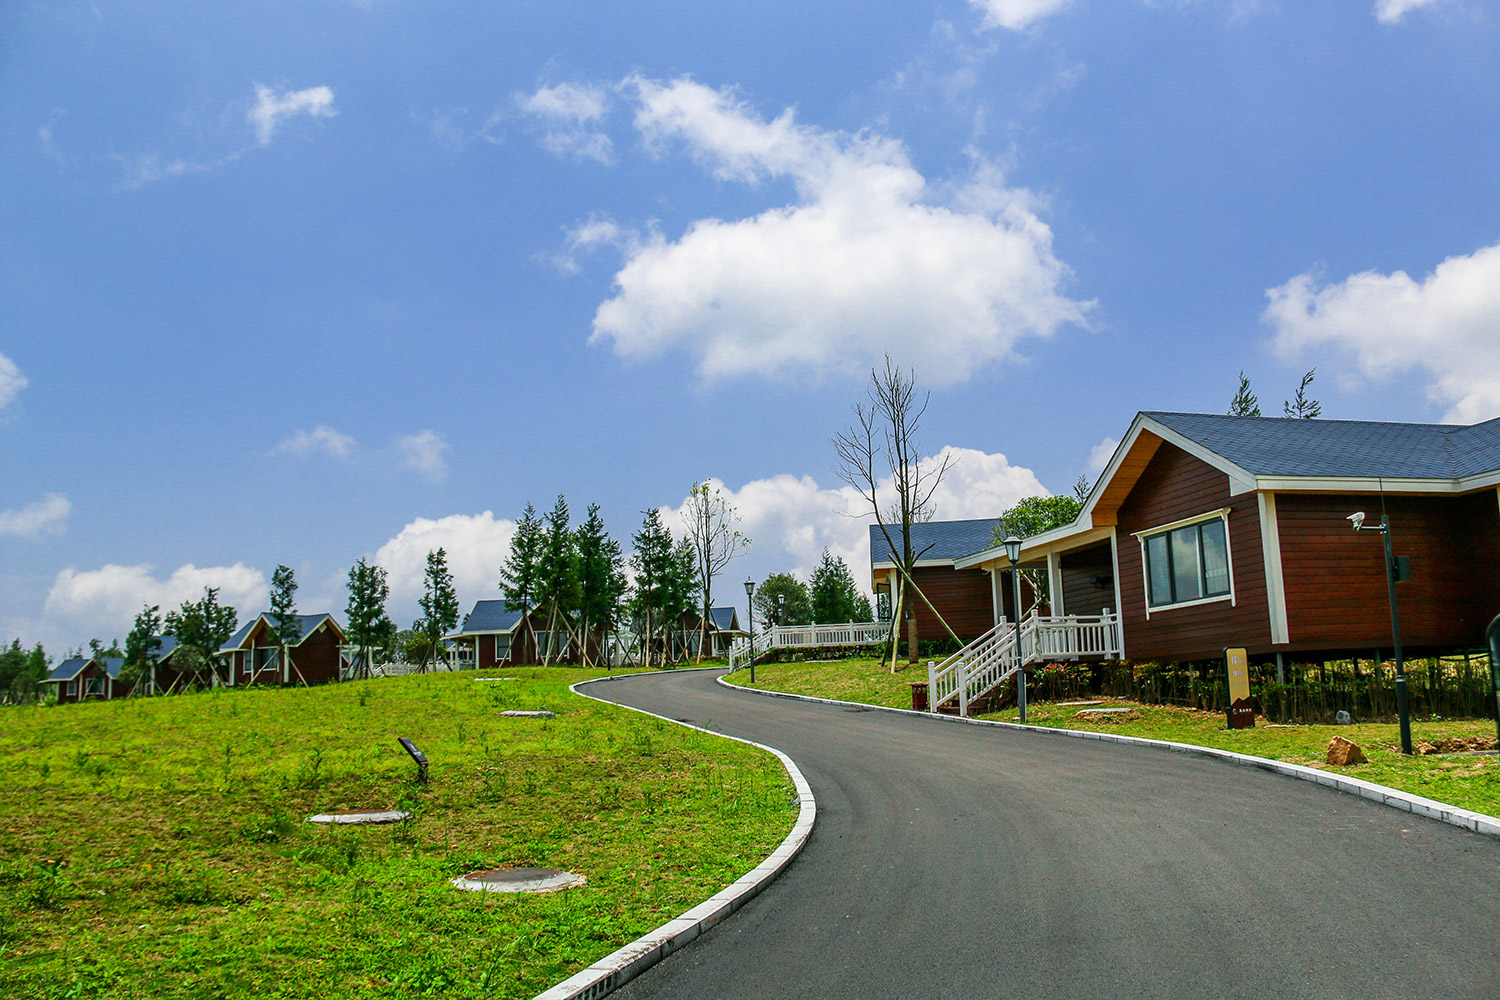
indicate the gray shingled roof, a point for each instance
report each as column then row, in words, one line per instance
column 307, row 623
column 723, row 619
column 489, row 616
column 69, row 669
column 948, row 539
column 1283, row 446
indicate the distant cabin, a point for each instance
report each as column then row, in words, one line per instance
column 253, row 655
column 492, row 636
column 92, row 678
column 715, row 633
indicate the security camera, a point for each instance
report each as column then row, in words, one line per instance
column 1358, row 517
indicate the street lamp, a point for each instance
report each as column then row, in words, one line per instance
column 750, row 603
column 1013, row 552
column 1402, row 709
column 781, row 609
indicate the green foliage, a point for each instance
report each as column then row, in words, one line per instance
column 284, row 620
column 439, row 602
column 1300, row 406
column 835, row 597
column 1244, row 403
column 601, row 572
column 203, row 626
column 665, row 583
column 22, row 672
column 369, row 626
column 518, row 577
column 713, row 533
column 557, row 568
column 1034, row 515
column 770, row 608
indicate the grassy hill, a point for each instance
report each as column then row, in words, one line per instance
column 157, row 847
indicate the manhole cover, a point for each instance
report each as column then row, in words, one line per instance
column 387, row 816
column 519, row 880
column 517, row 713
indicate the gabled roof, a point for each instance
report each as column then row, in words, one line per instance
column 167, row 648
column 67, row 670
column 308, row 624
column 1364, row 449
column 488, row 616
column 725, row 619
column 942, row 540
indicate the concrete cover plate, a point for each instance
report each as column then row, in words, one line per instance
column 516, row 713
column 491, row 680
column 519, row 880
column 1104, row 711
column 1075, row 704
column 388, row 816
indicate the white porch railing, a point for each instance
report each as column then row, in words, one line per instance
column 805, row 636
column 994, row 657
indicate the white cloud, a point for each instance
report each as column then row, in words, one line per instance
column 475, row 545
column 791, row 519
column 423, row 453
column 570, row 112
column 103, row 602
column 271, row 108
column 1100, row 455
column 863, row 263
column 48, row 516
column 1017, row 15
column 11, row 381
column 1392, row 11
column 321, row 440
column 1446, row 325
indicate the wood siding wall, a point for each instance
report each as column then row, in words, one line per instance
column 1174, row 486
column 1079, row 570
column 1335, row 579
column 963, row 597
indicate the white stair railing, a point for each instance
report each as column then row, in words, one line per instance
column 807, row 636
column 994, row 657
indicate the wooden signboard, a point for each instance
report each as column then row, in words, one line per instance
column 1241, row 708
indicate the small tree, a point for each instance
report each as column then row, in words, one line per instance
column 782, row 599
column 601, row 578
column 201, row 626
column 369, row 626
column 1244, row 403
column 557, row 574
column 518, row 577
column 1300, row 406
column 710, row 521
column 140, row 650
column 286, row 624
column 835, row 597
column 1034, row 515
column 1082, row 489
column 439, row 603
column 659, row 568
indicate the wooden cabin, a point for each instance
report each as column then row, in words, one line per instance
column 492, row 636
column 1207, row 531
column 717, row 633
column 253, row 655
column 92, row 678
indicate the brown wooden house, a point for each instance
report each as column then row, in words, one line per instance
column 92, row 678
column 1207, row 531
column 253, row 655
column 491, row 637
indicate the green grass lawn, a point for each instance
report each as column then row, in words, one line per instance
column 1471, row 782
column 157, row 847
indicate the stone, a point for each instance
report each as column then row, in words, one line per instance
column 1120, row 710
column 1342, row 717
column 518, row 880
column 517, row 713
column 360, row 818
column 1342, row 753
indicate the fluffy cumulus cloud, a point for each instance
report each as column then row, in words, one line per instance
column 272, row 108
column 1444, row 325
column 48, row 516
column 475, row 545
column 791, row 519
column 569, row 114
column 11, row 381
column 869, row 258
column 1020, row 14
column 1101, row 453
column 103, row 602
column 321, row 440
column 422, row 453
column 1392, row 11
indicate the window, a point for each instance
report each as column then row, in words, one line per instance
column 73, row 689
column 1187, row 564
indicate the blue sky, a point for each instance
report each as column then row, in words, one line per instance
column 303, row 282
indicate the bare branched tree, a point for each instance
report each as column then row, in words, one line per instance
column 710, row 521
column 883, row 443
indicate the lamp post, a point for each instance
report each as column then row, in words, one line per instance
column 1013, row 552
column 750, row 603
column 781, row 609
column 1402, row 709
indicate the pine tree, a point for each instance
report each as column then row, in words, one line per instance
column 518, row 577
column 653, row 564
column 140, row 648
column 1244, row 403
column 835, row 597
column 601, row 578
column 557, row 574
column 202, row 626
column 1299, row 406
column 286, row 624
column 369, row 626
column 439, row 602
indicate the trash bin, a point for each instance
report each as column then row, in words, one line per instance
column 919, row 696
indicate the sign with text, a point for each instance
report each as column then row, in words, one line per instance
column 1241, row 708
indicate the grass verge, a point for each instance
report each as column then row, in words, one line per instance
column 1468, row 781
column 158, row 847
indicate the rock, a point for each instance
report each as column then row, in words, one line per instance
column 1342, row 753
column 1342, row 718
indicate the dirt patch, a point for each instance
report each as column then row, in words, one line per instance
column 1111, row 718
column 1456, row 744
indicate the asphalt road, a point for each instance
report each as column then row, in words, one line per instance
column 963, row 861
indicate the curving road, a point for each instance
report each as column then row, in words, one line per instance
column 963, row 861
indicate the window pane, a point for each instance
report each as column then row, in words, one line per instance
column 1215, row 559
column 1159, row 569
column 1186, row 583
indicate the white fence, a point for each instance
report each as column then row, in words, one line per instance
column 994, row 657
column 807, row 636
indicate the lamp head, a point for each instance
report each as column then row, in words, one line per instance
column 749, row 588
column 1013, row 549
column 1358, row 518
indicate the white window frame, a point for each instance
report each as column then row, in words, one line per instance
column 1161, row 529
